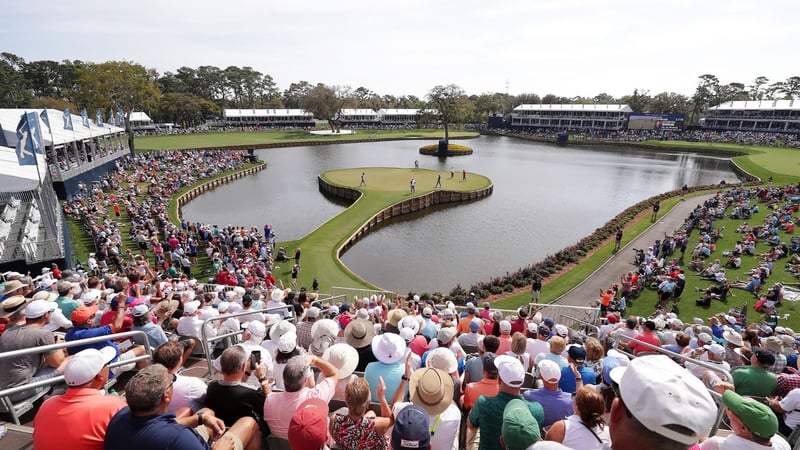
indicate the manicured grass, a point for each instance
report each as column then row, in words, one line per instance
column 220, row 139
column 781, row 163
column 385, row 187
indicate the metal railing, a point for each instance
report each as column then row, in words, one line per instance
column 69, row 344
column 337, row 291
column 726, row 376
column 205, row 341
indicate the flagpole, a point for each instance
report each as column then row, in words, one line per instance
column 52, row 141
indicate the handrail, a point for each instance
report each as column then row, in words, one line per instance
column 329, row 298
column 68, row 344
column 222, row 317
column 584, row 325
column 673, row 355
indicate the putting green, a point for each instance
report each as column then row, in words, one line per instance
column 385, row 187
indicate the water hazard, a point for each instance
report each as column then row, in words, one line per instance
column 545, row 198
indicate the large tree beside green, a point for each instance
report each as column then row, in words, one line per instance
column 118, row 85
column 325, row 102
column 450, row 103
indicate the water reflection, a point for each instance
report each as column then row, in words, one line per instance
column 545, row 198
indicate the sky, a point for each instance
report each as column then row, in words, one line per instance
column 563, row 47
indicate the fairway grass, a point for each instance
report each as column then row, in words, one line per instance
column 385, row 187
column 293, row 137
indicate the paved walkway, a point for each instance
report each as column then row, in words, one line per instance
column 610, row 272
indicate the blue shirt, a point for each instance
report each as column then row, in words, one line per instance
column 75, row 334
column 392, row 376
column 567, row 383
column 155, row 334
column 128, row 432
column 556, row 404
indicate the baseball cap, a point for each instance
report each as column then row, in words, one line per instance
column 475, row 324
column 544, row 330
column 577, row 353
column 550, row 371
column 510, row 370
column 81, row 314
column 562, row 330
column 756, row 416
column 140, row 310
column 446, row 334
column 38, row 308
column 308, row 429
column 191, row 307
column 650, row 382
column 612, row 318
column 520, row 429
column 86, row 364
column 505, row 327
column 411, row 430
column 312, row 312
column 764, row 357
column 256, row 328
column 488, row 362
column 533, row 328
column 716, row 349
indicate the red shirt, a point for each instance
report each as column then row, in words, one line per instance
column 77, row 419
column 646, row 336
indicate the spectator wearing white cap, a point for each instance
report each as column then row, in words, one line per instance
column 557, row 404
column 487, row 413
column 505, row 337
column 26, row 330
column 639, row 418
column 304, row 338
column 143, row 321
column 715, row 355
column 190, row 325
column 538, row 344
column 78, row 418
column 57, row 320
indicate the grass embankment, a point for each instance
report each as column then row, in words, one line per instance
column 221, row 139
column 385, row 187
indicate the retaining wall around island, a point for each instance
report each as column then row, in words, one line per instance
column 398, row 209
column 187, row 196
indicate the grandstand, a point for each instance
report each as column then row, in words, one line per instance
column 274, row 117
column 774, row 116
column 350, row 117
column 31, row 223
column 571, row 117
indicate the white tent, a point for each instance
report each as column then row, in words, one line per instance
column 16, row 178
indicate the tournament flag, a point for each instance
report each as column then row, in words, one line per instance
column 85, row 118
column 98, row 118
column 25, row 143
column 44, row 117
column 120, row 119
column 68, row 120
column 111, row 119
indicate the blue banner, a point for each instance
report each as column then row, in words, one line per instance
column 98, row 118
column 44, row 117
column 85, row 118
column 111, row 119
column 26, row 141
column 67, row 120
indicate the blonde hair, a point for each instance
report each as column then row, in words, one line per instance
column 518, row 343
column 557, row 344
column 357, row 397
column 594, row 349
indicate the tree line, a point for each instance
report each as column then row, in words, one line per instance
column 189, row 96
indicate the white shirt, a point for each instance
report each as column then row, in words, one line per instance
column 446, row 431
column 790, row 404
column 537, row 346
column 191, row 326
column 733, row 442
column 578, row 436
column 189, row 392
column 57, row 320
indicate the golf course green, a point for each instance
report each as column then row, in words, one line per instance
column 386, row 193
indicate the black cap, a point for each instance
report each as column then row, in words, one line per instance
column 764, row 357
column 488, row 362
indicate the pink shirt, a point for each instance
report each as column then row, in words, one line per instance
column 280, row 406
